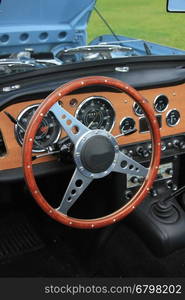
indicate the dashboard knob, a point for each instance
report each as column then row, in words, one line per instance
column 163, row 146
column 171, row 185
column 159, row 176
column 169, row 144
column 140, row 179
column 139, row 150
column 153, row 192
column 146, row 153
column 149, row 148
column 128, row 195
column 182, row 145
column 142, row 152
column 130, row 152
column 174, row 187
column 134, row 179
column 176, row 143
column 169, row 171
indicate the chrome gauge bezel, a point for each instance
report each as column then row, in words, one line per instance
column 137, row 114
column 16, row 128
column 125, row 119
column 93, row 98
column 174, row 109
column 156, row 98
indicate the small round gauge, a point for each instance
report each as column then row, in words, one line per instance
column 173, row 117
column 127, row 124
column 138, row 110
column 161, row 103
column 96, row 113
column 48, row 132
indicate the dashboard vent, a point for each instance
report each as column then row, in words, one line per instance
column 2, row 146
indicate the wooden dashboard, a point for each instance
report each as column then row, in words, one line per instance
column 122, row 105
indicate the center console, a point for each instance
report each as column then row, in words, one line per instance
column 159, row 221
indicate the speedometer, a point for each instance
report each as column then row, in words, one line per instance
column 96, row 113
column 48, row 132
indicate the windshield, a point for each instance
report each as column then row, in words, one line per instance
column 115, row 29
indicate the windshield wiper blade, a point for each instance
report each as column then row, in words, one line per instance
column 95, row 48
column 144, row 43
column 147, row 49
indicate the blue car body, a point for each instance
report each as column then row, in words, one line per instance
column 52, row 26
column 44, row 25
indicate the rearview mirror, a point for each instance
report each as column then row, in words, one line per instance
column 176, row 5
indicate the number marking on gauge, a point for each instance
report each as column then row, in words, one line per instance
column 161, row 103
column 96, row 112
column 126, row 124
column 173, row 117
column 138, row 110
column 48, row 132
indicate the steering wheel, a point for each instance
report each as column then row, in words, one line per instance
column 96, row 154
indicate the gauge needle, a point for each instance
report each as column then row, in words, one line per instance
column 92, row 122
column 126, row 133
column 45, row 154
column 44, row 129
column 13, row 120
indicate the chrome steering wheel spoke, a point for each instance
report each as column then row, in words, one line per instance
column 127, row 165
column 74, row 128
column 75, row 188
column 96, row 154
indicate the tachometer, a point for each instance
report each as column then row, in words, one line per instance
column 96, row 113
column 48, row 133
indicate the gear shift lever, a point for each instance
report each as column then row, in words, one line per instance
column 164, row 210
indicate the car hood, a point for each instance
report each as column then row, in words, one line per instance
column 43, row 25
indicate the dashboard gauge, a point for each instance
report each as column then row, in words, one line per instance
column 96, row 113
column 161, row 103
column 127, row 124
column 138, row 110
column 173, row 117
column 48, row 132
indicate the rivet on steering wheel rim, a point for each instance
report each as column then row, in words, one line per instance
column 32, row 128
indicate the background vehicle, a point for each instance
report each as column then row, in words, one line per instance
column 98, row 103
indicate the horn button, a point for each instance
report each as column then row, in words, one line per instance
column 97, row 154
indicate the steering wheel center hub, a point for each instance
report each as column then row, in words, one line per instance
column 88, row 146
column 95, row 153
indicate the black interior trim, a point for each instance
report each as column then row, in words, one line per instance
column 153, row 72
column 40, row 170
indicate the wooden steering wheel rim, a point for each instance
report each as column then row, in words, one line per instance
column 31, row 132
